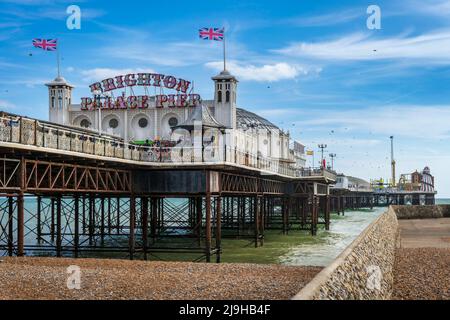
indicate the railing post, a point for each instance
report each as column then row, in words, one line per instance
column 10, row 129
column 35, row 132
column 20, row 130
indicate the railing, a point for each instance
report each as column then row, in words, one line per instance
column 33, row 132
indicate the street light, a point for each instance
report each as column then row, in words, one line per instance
column 322, row 147
column 332, row 156
column 98, row 96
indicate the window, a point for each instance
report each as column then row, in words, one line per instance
column 173, row 122
column 219, row 96
column 143, row 122
column 85, row 123
column 227, row 96
column 113, row 123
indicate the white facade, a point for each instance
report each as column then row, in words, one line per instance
column 246, row 131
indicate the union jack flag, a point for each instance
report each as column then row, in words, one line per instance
column 45, row 44
column 215, row 34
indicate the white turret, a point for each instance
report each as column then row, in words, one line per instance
column 60, row 98
column 225, row 98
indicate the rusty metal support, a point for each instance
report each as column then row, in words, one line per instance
column 91, row 225
column 20, row 225
column 131, row 243
column 58, row 226
column 218, row 228
column 118, row 215
column 10, row 226
column 144, row 204
column 208, row 227
column 257, row 211
column 52, row 220
column 76, row 238
column 154, row 218
column 102, row 220
column 38, row 219
column 327, row 212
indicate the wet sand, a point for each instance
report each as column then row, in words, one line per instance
column 46, row 278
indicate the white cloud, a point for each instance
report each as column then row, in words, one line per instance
column 266, row 72
column 432, row 46
column 327, row 19
column 98, row 74
column 6, row 105
column 440, row 8
column 415, row 121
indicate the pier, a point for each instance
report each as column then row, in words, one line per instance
column 96, row 193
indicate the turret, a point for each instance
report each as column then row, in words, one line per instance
column 60, row 98
column 225, row 86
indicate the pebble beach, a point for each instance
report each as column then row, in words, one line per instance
column 422, row 274
column 46, row 278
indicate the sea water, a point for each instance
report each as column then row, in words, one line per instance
column 343, row 230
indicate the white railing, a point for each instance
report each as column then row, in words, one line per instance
column 33, row 132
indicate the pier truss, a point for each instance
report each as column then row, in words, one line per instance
column 58, row 206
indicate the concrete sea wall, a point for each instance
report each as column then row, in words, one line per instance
column 422, row 212
column 364, row 270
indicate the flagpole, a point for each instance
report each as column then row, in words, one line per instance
column 224, row 57
column 57, row 59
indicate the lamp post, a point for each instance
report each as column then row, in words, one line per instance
column 322, row 147
column 254, row 128
column 98, row 96
column 332, row 156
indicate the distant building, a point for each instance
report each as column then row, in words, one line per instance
column 417, row 181
column 352, row 184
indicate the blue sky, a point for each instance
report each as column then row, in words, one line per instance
column 311, row 67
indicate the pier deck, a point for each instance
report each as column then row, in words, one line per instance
column 97, row 193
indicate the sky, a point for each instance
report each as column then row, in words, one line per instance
column 311, row 67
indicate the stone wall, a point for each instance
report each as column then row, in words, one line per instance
column 354, row 273
column 422, row 212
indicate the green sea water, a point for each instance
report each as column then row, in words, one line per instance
column 296, row 248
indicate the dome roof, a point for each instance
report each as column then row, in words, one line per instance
column 246, row 118
column 59, row 81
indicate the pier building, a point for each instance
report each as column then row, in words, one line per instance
column 143, row 174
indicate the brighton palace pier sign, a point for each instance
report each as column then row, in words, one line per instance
column 180, row 99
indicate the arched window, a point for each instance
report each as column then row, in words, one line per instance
column 173, row 122
column 227, row 96
column 113, row 123
column 219, row 96
column 143, row 122
column 85, row 123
